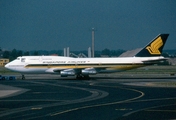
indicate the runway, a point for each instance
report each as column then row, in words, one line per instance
column 96, row 99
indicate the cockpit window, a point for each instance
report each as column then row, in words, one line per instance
column 23, row 59
column 18, row 58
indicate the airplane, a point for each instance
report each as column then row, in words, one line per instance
column 83, row 67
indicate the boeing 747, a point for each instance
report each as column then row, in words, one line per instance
column 83, row 67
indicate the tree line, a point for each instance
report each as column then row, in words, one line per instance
column 11, row 55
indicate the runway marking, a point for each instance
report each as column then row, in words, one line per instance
column 145, row 109
column 152, row 84
column 34, row 100
column 44, row 92
column 105, row 104
column 123, row 109
column 142, row 93
column 147, row 100
column 36, row 108
column 161, row 110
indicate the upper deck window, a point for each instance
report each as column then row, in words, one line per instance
column 23, row 59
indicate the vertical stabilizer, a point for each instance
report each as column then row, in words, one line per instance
column 154, row 48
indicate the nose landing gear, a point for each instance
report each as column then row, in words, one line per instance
column 23, row 77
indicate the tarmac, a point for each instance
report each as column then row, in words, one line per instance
column 108, row 98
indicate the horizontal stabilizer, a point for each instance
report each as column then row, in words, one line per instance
column 155, row 61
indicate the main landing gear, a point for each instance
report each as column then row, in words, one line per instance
column 82, row 77
column 23, row 77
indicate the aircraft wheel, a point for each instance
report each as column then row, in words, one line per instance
column 86, row 77
column 82, row 77
column 23, row 77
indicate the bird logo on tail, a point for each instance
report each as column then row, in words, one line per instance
column 154, row 46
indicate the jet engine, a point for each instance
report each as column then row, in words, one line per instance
column 89, row 71
column 69, row 72
column 72, row 72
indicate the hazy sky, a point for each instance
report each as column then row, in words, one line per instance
column 55, row 24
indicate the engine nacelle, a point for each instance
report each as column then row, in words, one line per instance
column 89, row 71
column 69, row 72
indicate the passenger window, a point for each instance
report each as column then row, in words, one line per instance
column 23, row 59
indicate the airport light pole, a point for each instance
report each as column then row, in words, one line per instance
column 93, row 38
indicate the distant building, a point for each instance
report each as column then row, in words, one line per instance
column 3, row 61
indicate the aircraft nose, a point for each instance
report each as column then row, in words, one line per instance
column 7, row 66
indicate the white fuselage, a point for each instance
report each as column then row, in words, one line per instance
column 56, row 64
